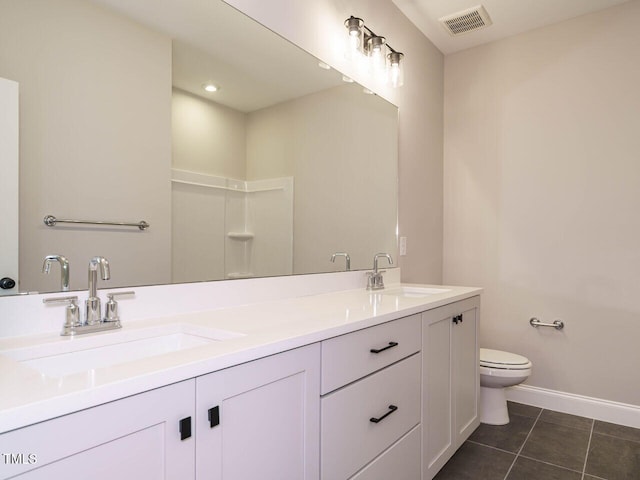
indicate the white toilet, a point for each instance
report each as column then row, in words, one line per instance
column 499, row 370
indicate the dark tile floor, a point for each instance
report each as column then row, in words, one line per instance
column 542, row 444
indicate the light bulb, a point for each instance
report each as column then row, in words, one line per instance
column 377, row 54
column 396, row 70
column 354, row 26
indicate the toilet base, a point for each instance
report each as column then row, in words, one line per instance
column 493, row 406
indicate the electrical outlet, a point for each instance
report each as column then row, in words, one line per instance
column 403, row 246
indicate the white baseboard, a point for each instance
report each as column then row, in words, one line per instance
column 605, row 410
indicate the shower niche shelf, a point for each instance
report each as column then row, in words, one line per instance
column 240, row 236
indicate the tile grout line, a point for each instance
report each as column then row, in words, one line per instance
column 550, row 464
column 523, row 443
column 586, row 457
column 618, row 437
column 490, row 446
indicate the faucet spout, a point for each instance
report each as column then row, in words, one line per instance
column 381, row 255
column 93, row 308
column 64, row 269
column 346, row 257
column 374, row 279
column 95, row 263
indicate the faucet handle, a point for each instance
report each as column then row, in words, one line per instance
column 111, row 307
column 371, row 279
column 73, row 311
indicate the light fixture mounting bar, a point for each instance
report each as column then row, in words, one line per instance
column 371, row 33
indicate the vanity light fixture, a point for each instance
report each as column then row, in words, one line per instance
column 210, row 87
column 384, row 61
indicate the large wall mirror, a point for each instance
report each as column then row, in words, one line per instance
column 286, row 164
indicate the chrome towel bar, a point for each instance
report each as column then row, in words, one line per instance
column 557, row 324
column 51, row 221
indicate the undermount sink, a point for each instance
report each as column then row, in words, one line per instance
column 78, row 354
column 414, row 292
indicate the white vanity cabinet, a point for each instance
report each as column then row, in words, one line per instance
column 129, row 439
column 394, row 400
column 371, row 401
column 450, row 381
column 260, row 420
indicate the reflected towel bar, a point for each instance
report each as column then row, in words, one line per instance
column 557, row 324
column 51, row 221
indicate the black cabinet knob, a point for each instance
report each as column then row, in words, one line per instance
column 7, row 283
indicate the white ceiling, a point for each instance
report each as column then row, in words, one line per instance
column 509, row 17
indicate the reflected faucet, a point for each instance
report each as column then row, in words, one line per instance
column 346, row 257
column 374, row 279
column 64, row 269
column 92, row 304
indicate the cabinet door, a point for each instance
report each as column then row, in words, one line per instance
column 129, row 439
column 451, row 381
column 260, row 419
column 437, row 393
column 466, row 368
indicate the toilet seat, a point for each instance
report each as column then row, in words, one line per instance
column 497, row 359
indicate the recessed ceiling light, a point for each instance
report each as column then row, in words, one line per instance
column 324, row 66
column 210, row 87
column 347, row 79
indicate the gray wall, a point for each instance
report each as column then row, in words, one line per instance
column 114, row 112
column 542, row 187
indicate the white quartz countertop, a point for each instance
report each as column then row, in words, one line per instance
column 29, row 396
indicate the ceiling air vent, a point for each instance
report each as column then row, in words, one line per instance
column 465, row 21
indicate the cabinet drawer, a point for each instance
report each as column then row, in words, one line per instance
column 349, row 439
column 400, row 462
column 349, row 357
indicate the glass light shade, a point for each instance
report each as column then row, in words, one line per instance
column 396, row 69
column 377, row 54
column 356, row 34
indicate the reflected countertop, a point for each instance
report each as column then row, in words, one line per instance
column 267, row 328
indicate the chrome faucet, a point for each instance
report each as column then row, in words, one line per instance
column 64, row 269
column 374, row 278
column 346, row 257
column 93, row 321
column 92, row 304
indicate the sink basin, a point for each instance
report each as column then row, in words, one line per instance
column 77, row 354
column 415, row 292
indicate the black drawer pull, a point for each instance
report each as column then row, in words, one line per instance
column 214, row 416
column 185, row 428
column 392, row 408
column 378, row 350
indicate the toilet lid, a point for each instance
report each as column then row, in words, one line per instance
column 499, row 359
